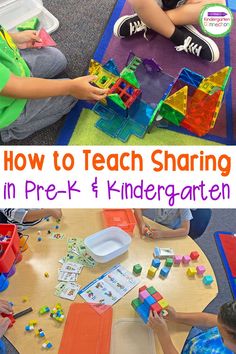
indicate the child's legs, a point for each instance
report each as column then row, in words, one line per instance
column 200, row 221
column 37, row 115
column 188, row 14
column 45, row 62
column 153, row 16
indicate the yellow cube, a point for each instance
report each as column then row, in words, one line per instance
column 163, row 303
column 32, row 323
column 191, row 271
column 151, row 272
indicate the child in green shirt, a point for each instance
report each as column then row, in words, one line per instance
column 29, row 101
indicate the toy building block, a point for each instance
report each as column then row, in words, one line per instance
column 156, row 307
column 126, row 92
column 207, row 280
column 178, row 100
column 57, row 313
column 157, row 296
column 137, row 269
column 200, row 270
column 164, row 272
column 143, row 295
column 163, row 303
column 44, row 310
column 39, row 238
column 169, row 262
column 177, row 259
column 40, row 333
column 143, row 312
column 191, row 271
column 130, row 77
column 151, row 272
column 151, row 290
column 194, row 255
column 47, row 345
column 156, row 263
column 136, row 303
column 190, row 77
column 29, row 328
column 111, row 66
column 25, row 299
column 31, row 24
column 46, row 274
column 142, row 289
column 148, row 301
column 186, row 259
column 147, row 232
column 32, row 323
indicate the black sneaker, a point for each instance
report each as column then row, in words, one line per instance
column 197, row 44
column 127, row 26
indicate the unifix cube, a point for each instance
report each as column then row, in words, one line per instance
column 177, row 259
column 186, row 259
column 156, row 307
column 153, row 302
column 191, row 271
column 151, row 272
column 207, row 280
column 142, row 288
column 136, row 303
column 156, row 263
column 157, row 296
column 137, row 269
column 200, row 269
column 151, row 290
column 169, row 262
column 143, row 295
column 164, row 272
column 163, row 303
column 194, row 255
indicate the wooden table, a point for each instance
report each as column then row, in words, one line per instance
column 42, row 256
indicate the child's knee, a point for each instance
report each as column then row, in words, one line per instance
column 60, row 59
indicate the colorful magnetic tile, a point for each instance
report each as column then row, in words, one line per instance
column 156, row 263
column 31, row 24
column 127, row 92
column 200, row 269
column 221, row 77
column 171, row 114
column 178, row 100
column 111, row 66
column 130, row 77
column 190, row 77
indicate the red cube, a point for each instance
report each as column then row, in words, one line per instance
column 194, row 255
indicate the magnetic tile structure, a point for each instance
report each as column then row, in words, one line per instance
column 142, row 94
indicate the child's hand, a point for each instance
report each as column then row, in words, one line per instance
column 55, row 213
column 4, row 324
column 25, row 39
column 171, row 314
column 156, row 234
column 157, row 322
column 5, row 307
column 82, row 89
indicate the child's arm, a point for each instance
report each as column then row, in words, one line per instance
column 199, row 319
column 33, row 215
column 180, row 232
column 141, row 224
column 159, row 326
column 33, row 88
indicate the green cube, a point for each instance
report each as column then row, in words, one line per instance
column 169, row 262
column 137, row 269
column 151, row 290
column 136, row 303
column 31, row 24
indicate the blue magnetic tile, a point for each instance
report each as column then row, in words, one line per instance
column 111, row 66
column 190, row 77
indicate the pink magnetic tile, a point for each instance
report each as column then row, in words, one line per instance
column 47, row 40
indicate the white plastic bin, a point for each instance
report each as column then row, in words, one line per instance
column 14, row 12
column 107, row 244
